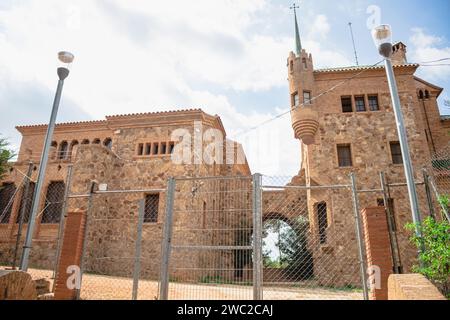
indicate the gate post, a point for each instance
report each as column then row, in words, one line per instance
column 166, row 243
column 359, row 236
column 257, row 234
column 137, row 253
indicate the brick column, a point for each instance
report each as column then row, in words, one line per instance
column 70, row 253
column 378, row 248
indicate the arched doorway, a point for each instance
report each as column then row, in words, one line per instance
column 286, row 256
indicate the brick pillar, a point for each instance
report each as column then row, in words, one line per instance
column 70, row 253
column 378, row 248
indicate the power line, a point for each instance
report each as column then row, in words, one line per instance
column 310, row 100
column 434, row 61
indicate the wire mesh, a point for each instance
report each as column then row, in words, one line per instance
column 211, row 251
column 310, row 249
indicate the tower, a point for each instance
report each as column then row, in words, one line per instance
column 301, row 87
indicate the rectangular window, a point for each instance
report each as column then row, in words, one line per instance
column 373, row 103
column 346, row 104
column 151, row 208
column 148, row 148
column 140, row 149
column 396, row 152
column 360, row 104
column 380, row 203
column 322, row 219
column 344, row 155
column 26, row 201
column 306, row 97
column 295, row 100
column 171, row 147
column 163, row 148
column 155, row 148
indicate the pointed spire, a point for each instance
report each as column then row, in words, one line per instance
column 298, row 43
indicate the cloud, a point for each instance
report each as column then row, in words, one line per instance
column 427, row 48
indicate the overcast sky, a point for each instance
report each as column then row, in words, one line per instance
column 227, row 57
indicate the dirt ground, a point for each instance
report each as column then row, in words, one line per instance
column 99, row 287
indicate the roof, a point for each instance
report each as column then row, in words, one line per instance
column 95, row 123
column 360, row 68
column 439, row 89
column 445, row 118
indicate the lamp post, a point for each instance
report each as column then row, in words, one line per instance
column 382, row 36
column 65, row 58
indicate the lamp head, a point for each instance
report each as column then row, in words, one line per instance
column 66, row 58
column 382, row 36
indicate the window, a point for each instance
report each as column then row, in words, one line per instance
column 344, row 155
column 306, row 97
column 427, row 94
column 322, row 221
column 140, row 149
column 360, row 104
column 155, row 148
column 163, row 148
column 396, row 152
column 305, row 64
column 171, row 147
column 204, row 215
column 26, row 201
column 63, row 150
column 53, row 202
column 85, row 141
column 380, row 203
column 295, row 100
column 151, row 208
column 346, row 104
column 7, row 191
column 148, row 149
column 421, row 95
column 96, row 141
column 291, row 66
column 108, row 143
column 373, row 103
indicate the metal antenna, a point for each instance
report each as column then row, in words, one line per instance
column 353, row 41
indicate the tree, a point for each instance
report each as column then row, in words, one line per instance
column 436, row 254
column 6, row 155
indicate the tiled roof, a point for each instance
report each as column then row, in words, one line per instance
column 152, row 113
column 445, row 118
column 63, row 124
column 360, row 68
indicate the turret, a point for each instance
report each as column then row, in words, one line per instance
column 301, row 87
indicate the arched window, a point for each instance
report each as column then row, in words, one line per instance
column 85, row 141
column 96, row 141
column 26, row 201
column 420, row 94
column 53, row 202
column 7, row 191
column 63, row 150
column 73, row 148
column 54, row 146
column 427, row 94
column 108, row 143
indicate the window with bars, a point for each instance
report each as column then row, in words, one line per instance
column 151, row 208
column 53, row 202
column 7, row 191
column 360, row 104
column 346, row 104
column 27, row 201
column 373, row 103
column 396, row 153
column 322, row 218
column 344, row 153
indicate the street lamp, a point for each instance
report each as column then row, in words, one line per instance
column 382, row 36
column 65, row 58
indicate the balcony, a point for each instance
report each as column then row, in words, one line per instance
column 305, row 121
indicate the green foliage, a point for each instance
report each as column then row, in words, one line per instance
column 5, row 156
column 435, row 257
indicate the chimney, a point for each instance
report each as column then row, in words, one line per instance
column 399, row 54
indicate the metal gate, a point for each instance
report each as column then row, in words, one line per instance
column 216, row 233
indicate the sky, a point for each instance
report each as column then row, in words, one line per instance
column 227, row 57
